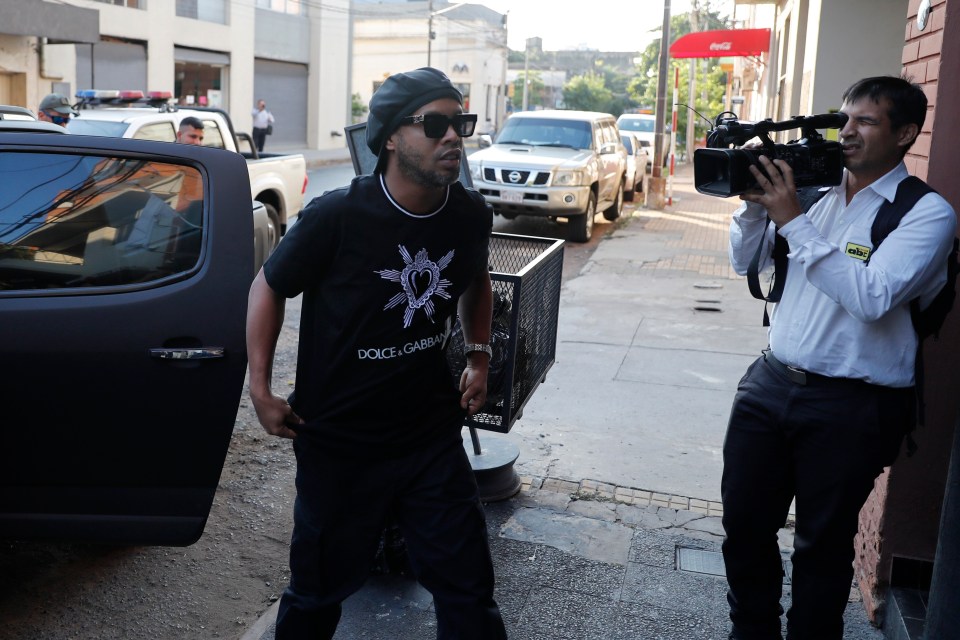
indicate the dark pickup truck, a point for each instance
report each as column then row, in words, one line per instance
column 124, row 271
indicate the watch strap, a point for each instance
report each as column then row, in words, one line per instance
column 476, row 346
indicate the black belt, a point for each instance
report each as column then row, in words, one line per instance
column 795, row 375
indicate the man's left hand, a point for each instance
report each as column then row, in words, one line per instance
column 776, row 191
column 473, row 386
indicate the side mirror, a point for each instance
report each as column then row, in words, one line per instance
column 484, row 140
column 608, row 147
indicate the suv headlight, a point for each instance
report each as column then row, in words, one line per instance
column 569, row 178
column 476, row 172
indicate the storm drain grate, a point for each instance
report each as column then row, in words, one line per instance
column 711, row 563
column 700, row 561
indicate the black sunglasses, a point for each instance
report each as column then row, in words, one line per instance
column 435, row 125
column 57, row 118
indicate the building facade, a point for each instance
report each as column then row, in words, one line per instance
column 469, row 44
column 224, row 53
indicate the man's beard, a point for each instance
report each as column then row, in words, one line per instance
column 410, row 165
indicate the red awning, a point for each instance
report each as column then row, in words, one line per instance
column 720, row 44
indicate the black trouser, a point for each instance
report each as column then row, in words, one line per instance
column 341, row 508
column 259, row 138
column 823, row 443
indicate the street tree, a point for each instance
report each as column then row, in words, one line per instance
column 535, row 90
column 710, row 79
column 587, row 92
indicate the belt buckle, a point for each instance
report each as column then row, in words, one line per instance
column 798, row 376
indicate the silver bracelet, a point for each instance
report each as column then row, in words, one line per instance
column 473, row 347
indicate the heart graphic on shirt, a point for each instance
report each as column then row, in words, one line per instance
column 420, row 281
column 420, row 286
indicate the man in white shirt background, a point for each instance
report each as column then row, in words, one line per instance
column 826, row 408
column 262, row 124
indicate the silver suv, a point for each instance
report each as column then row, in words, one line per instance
column 556, row 164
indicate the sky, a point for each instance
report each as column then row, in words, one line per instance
column 605, row 25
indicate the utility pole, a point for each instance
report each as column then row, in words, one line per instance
column 526, row 72
column 691, row 100
column 657, row 181
column 430, row 33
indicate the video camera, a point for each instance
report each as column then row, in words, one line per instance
column 721, row 171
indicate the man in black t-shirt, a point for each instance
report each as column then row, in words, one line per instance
column 384, row 266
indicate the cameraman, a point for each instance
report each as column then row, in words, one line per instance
column 825, row 409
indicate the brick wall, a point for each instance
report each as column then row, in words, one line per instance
column 869, row 546
column 902, row 515
column 921, row 62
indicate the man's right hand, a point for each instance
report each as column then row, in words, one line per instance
column 275, row 415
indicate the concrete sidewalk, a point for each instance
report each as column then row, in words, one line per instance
column 615, row 533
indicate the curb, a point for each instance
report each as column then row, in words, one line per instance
column 260, row 627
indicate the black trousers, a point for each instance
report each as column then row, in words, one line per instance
column 341, row 508
column 823, row 443
column 259, row 138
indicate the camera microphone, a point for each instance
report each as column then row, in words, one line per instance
column 823, row 121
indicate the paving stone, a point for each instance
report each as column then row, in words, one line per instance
column 586, row 537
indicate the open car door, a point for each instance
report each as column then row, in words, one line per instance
column 124, row 272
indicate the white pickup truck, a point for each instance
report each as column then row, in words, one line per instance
column 277, row 181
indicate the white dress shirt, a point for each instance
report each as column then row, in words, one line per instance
column 261, row 118
column 839, row 316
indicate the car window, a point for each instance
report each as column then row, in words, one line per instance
column 546, row 132
column 78, row 222
column 160, row 131
column 610, row 133
column 86, row 127
column 628, row 143
column 212, row 136
column 637, row 124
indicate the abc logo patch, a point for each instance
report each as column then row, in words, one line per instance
column 858, row 251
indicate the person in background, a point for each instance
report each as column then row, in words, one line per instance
column 190, row 131
column 55, row 108
column 819, row 415
column 262, row 124
column 384, row 266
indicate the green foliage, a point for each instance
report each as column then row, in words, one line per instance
column 587, row 92
column 357, row 106
column 710, row 80
column 535, row 90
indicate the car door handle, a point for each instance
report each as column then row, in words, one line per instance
column 188, row 353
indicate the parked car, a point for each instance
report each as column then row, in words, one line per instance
column 556, row 164
column 643, row 125
column 124, row 272
column 277, row 180
column 636, row 175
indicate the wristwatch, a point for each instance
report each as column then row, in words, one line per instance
column 473, row 347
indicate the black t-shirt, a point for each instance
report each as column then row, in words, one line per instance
column 380, row 289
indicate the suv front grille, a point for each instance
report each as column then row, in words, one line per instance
column 516, row 177
column 512, row 176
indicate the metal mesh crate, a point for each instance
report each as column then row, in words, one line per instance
column 526, row 274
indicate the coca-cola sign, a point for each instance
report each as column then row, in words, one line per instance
column 721, row 43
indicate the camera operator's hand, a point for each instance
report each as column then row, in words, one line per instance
column 776, row 193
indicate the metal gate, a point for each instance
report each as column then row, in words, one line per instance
column 284, row 87
column 112, row 65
